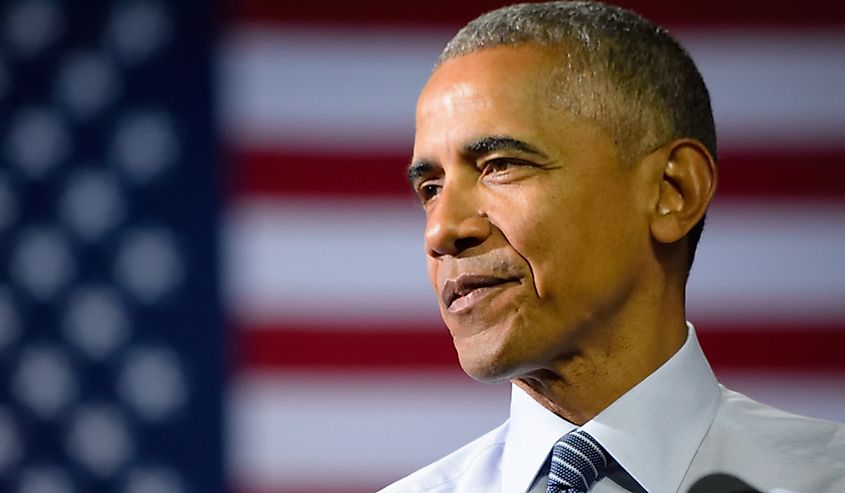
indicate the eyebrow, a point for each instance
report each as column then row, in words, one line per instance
column 418, row 169
column 479, row 147
column 493, row 143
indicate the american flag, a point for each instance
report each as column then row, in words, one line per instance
column 339, row 374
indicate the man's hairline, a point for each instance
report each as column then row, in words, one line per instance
column 559, row 48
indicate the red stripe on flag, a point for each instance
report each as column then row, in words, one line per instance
column 328, row 348
column 815, row 174
column 785, row 349
column 446, row 12
column 332, row 175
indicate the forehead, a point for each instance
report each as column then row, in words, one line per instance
column 506, row 90
column 497, row 91
column 503, row 76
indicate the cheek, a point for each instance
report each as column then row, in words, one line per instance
column 538, row 242
column 522, row 215
column 559, row 242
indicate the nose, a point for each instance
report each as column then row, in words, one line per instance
column 456, row 222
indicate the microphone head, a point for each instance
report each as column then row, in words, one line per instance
column 722, row 483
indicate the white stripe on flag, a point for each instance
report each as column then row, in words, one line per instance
column 320, row 89
column 775, row 88
column 285, row 427
column 327, row 262
column 769, row 261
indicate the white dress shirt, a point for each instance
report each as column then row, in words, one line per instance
column 671, row 429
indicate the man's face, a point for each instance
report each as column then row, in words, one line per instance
column 536, row 232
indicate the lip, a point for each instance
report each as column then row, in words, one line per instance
column 461, row 292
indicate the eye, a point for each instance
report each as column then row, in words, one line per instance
column 502, row 165
column 427, row 190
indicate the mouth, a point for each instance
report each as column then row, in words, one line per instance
column 460, row 292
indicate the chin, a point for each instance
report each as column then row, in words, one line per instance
column 488, row 366
column 491, row 355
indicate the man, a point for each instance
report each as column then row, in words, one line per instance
column 565, row 158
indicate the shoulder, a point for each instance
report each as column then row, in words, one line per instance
column 772, row 448
column 479, row 457
column 799, row 436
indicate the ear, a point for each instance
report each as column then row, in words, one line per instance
column 686, row 188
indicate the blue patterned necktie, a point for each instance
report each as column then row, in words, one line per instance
column 578, row 461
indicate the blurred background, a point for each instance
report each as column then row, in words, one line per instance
column 211, row 269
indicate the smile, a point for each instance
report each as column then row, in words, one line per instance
column 467, row 289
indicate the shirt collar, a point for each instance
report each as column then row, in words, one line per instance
column 652, row 431
column 532, row 432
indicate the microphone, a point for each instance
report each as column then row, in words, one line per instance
column 721, row 483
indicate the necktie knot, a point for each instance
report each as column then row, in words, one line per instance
column 578, row 461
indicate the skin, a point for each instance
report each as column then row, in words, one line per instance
column 580, row 254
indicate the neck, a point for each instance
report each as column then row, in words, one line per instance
column 618, row 355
